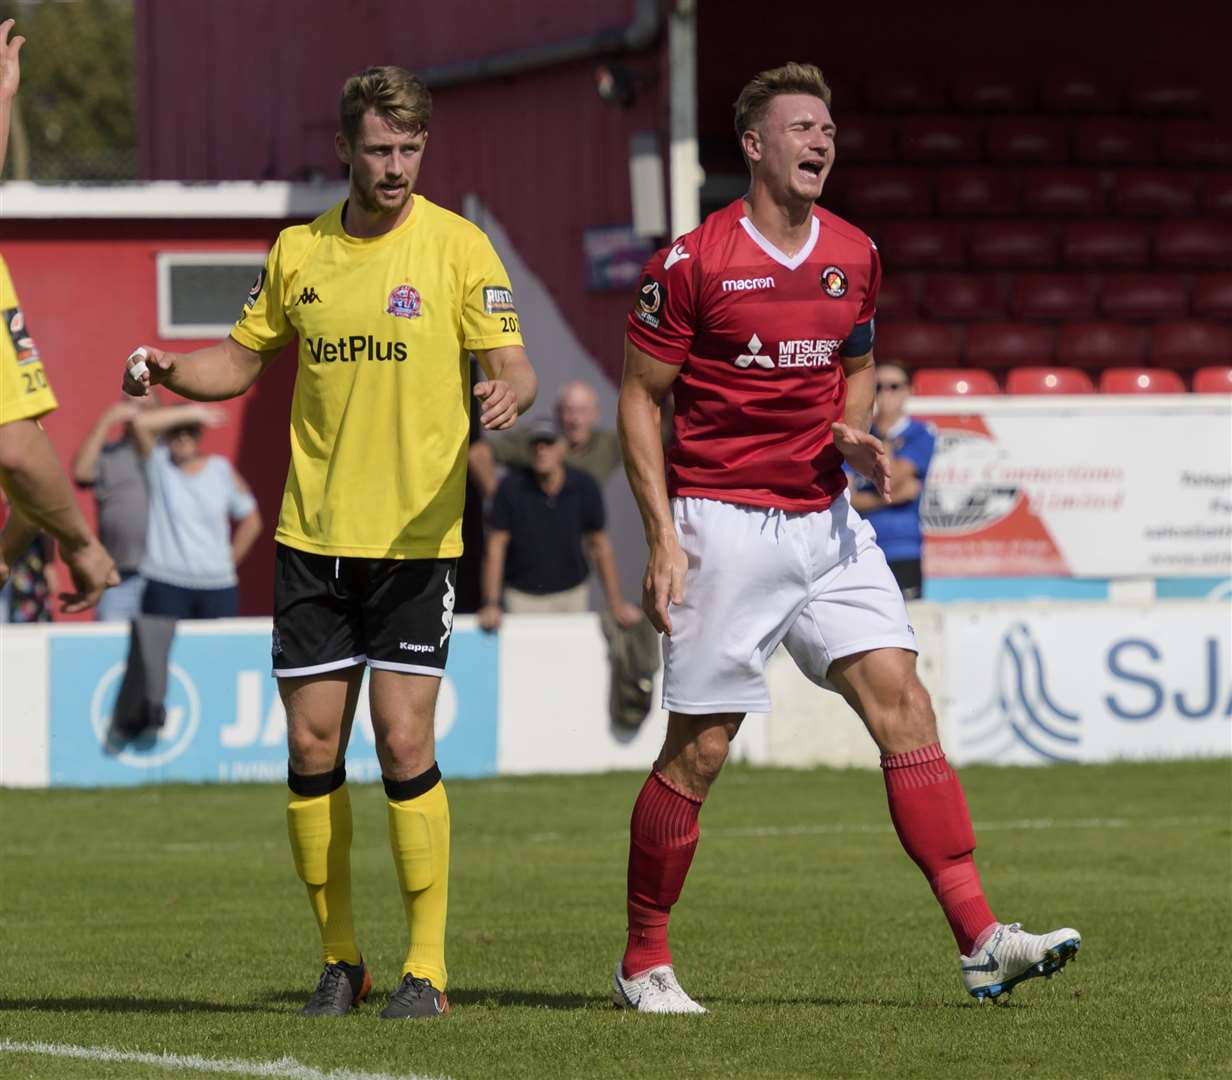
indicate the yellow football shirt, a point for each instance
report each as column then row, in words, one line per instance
column 381, row 408
column 24, row 390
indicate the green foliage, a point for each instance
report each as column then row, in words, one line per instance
column 169, row 920
column 77, row 89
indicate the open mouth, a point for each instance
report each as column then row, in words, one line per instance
column 391, row 190
column 813, row 168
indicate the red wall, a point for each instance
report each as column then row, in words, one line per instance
column 546, row 156
column 88, row 291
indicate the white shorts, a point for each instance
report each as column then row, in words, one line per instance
column 817, row 582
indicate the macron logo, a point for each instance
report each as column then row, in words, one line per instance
column 747, row 284
column 675, row 255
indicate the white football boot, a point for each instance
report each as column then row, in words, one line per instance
column 653, row 991
column 1011, row 955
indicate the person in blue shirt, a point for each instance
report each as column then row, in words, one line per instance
column 909, row 444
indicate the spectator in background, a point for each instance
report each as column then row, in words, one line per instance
column 546, row 529
column 115, row 471
column 191, row 551
column 909, row 444
column 588, row 447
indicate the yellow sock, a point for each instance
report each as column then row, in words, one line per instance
column 419, row 838
column 320, row 830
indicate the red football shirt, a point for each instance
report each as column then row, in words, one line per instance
column 758, row 336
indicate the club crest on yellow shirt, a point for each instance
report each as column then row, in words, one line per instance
column 404, row 302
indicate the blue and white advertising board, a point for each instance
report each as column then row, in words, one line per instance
column 1076, row 683
column 225, row 721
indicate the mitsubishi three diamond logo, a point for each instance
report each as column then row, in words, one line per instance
column 754, row 355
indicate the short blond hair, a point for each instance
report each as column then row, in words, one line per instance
column 398, row 96
column 758, row 92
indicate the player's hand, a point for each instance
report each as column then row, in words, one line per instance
column 866, row 454
column 93, row 570
column 663, row 583
column 627, row 615
column 146, row 367
column 10, row 67
column 500, row 404
column 490, row 616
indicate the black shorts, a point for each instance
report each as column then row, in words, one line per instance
column 332, row 613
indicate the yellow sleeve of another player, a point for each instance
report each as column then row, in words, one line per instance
column 489, row 318
column 24, row 390
column 263, row 324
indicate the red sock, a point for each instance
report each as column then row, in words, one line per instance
column 662, row 838
column 931, row 818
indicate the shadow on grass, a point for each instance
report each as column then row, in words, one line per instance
column 524, row 999
column 126, row 1005
column 819, row 1002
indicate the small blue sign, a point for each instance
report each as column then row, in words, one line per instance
column 225, row 721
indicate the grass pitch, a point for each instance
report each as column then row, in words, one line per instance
column 168, row 921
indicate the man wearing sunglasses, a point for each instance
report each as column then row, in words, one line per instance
column 896, row 516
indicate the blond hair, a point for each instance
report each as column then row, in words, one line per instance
column 791, row 78
column 398, row 97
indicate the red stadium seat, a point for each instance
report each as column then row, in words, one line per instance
column 990, row 92
column 1212, row 296
column 866, row 140
column 1100, row 344
column 1053, row 296
column 1062, row 191
column 1144, row 296
column 1026, row 140
column 1030, row 245
column 1195, row 142
column 1190, row 344
column 967, row 297
column 977, row 191
column 949, row 139
column 1165, row 96
column 940, row 382
column 1213, row 380
column 1048, row 380
column 1194, row 243
column 1216, row 193
column 898, row 297
column 1153, row 192
column 919, row 344
column 923, row 244
column 1077, row 92
column 1140, row 381
column 1105, row 244
column 1002, row 345
column 1113, row 140
column 904, row 93
column 883, row 192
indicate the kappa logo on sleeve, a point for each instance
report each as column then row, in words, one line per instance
column 23, row 343
column 257, row 286
column 498, row 300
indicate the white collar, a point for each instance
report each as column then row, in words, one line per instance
column 900, row 425
column 791, row 262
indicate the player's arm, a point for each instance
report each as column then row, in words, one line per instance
column 862, row 451
column 39, row 490
column 510, row 387
column 215, row 373
column 643, row 388
column 492, row 579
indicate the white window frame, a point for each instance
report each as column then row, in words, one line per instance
column 166, row 260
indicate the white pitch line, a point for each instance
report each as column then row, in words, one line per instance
column 1020, row 825
column 285, row 1068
